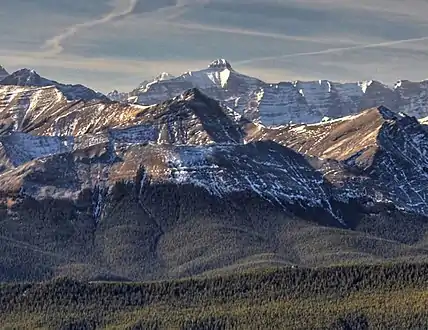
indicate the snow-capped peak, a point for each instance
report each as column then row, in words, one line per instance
column 145, row 85
column 164, row 76
column 220, row 63
column 26, row 77
column 398, row 84
column 29, row 77
column 365, row 84
column 403, row 84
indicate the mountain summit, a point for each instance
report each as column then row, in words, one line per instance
column 221, row 64
column 28, row 77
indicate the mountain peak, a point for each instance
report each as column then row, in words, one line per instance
column 23, row 77
column 193, row 93
column 164, row 76
column 26, row 71
column 220, row 63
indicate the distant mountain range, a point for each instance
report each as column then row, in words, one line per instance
column 271, row 104
column 285, row 102
column 190, row 183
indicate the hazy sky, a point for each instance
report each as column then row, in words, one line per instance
column 116, row 44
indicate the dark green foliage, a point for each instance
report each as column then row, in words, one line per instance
column 145, row 325
column 78, row 325
column 166, row 231
column 352, row 321
column 347, row 297
column 210, row 323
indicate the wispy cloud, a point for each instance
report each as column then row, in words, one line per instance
column 137, row 39
column 54, row 45
column 333, row 50
column 100, row 64
column 253, row 33
column 409, row 9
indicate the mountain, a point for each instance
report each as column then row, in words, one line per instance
column 189, row 186
column 191, row 118
column 370, row 146
column 274, row 104
column 118, row 96
column 219, row 81
column 27, row 77
column 3, row 73
column 146, row 84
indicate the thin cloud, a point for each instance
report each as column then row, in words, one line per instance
column 98, row 64
column 332, row 50
column 54, row 46
column 413, row 10
column 254, row 33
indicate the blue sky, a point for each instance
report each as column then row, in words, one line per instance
column 115, row 44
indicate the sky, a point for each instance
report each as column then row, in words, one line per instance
column 116, row 44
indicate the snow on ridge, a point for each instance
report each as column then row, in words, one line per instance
column 134, row 134
column 277, row 178
column 365, row 84
column 23, row 147
column 216, row 74
column 213, row 76
column 220, row 63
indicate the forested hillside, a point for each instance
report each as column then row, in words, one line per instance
column 391, row 296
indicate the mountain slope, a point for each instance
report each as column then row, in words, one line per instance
column 380, row 154
column 188, row 186
column 191, row 118
column 26, row 77
column 156, row 212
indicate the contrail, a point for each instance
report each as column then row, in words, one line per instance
column 252, row 33
column 54, row 46
column 332, row 50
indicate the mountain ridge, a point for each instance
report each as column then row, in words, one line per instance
column 272, row 104
column 189, row 185
column 288, row 101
